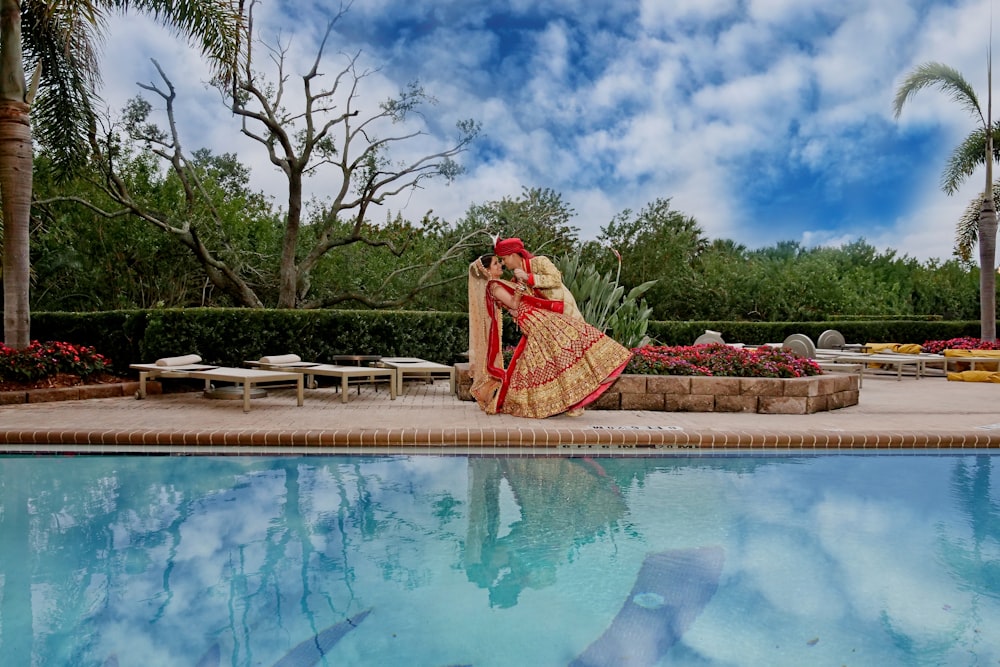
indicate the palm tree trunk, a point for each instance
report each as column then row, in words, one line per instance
column 15, row 179
column 988, row 228
column 987, row 270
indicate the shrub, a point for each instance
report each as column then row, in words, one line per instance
column 39, row 361
column 603, row 302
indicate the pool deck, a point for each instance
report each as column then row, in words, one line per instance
column 929, row 413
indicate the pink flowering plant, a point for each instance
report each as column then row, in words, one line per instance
column 720, row 361
column 964, row 343
column 40, row 361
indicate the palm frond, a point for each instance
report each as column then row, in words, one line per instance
column 61, row 40
column 967, row 157
column 62, row 50
column 967, row 228
column 943, row 77
column 216, row 27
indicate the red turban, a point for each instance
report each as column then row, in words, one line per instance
column 510, row 247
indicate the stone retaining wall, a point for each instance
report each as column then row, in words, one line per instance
column 109, row 390
column 678, row 393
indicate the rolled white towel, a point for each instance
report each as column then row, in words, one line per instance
column 281, row 359
column 178, row 361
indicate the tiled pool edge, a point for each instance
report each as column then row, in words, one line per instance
column 420, row 440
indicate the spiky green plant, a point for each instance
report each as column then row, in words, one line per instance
column 604, row 303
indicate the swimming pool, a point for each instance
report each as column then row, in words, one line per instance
column 437, row 560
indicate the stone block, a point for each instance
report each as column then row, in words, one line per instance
column 842, row 399
column 689, row 403
column 741, row 403
column 806, row 386
column 668, row 384
column 782, row 405
column 762, row 386
column 13, row 397
column 630, row 384
column 101, row 390
column 715, row 386
column 829, row 384
column 609, row 400
column 54, row 394
column 641, row 401
column 816, row 403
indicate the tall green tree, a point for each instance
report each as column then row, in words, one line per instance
column 334, row 135
column 57, row 42
column 662, row 244
column 950, row 81
column 539, row 217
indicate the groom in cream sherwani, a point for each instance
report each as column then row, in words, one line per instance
column 537, row 273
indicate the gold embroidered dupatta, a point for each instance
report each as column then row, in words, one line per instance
column 485, row 335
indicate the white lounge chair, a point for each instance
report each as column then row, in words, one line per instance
column 413, row 367
column 310, row 370
column 189, row 367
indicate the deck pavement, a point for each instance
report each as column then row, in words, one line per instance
column 892, row 415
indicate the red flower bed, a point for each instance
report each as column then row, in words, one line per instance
column 50, row 364
column 720, row 361
column 965, row 343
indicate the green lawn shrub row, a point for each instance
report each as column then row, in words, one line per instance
column 231, row 336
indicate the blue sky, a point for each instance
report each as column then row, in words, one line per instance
column 765, row 120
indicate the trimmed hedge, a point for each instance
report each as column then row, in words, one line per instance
column 231, row 336
column 755, row 333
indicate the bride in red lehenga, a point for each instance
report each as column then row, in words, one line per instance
column 560, row 365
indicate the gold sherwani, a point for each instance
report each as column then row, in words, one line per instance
column 546, row 279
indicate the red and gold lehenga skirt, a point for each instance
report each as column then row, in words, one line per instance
column 562, row 363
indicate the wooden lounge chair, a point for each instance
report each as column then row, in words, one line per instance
column 878, row 360
column 412, row 367
column 188, row 367
column 310, row 370
column 957, row 360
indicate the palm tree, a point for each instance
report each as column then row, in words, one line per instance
column 950, row 81
column 56, row 40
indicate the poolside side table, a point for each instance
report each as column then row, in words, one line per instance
column 362, row 374
column 363, row 360
column 356, row 359
column 411, row 366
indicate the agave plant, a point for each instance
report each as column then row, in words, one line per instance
column 603, row 302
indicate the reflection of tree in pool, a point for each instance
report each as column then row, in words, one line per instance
column 970, row 559
column 628, row 470
column 49, row 511
column 974, row 561
column 563, row 503
column 128, row 517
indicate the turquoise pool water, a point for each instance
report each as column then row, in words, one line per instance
column 428, row 560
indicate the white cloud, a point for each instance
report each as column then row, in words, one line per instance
column 655, row 14
column 614, row 109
